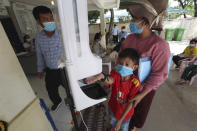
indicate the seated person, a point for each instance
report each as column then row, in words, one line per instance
column 97, row 48
column 113, row 52
column 118, row 46
column 189, row 52
column 27, row 43
column 125, row 86
column 189, row 72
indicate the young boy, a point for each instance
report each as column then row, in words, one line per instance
column 124, row 86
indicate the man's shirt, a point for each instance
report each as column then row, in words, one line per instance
column 115, row 31
column 122, row 34
column 48, row 49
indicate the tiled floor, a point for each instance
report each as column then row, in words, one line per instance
column 62, row 117
column 174, row 108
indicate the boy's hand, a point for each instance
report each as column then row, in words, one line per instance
column 118, row 125
column 109, row 80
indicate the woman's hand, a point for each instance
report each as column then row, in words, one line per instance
column 137, row 99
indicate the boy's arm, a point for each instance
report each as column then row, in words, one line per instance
column 126, row 111
column 107, row 79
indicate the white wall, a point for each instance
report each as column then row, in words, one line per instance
column 189, row 24
column 15, row 91
column 17, row 100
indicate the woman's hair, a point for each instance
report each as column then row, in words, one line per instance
column 131, row 54
column 40, row 10
column 193, row 40
column 97, row 36
column 145, row 20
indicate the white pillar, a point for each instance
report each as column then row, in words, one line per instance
column 103, row 25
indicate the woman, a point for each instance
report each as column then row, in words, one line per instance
column 148, row 45
column 97, row 48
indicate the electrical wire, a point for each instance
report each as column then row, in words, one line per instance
column 83, row 120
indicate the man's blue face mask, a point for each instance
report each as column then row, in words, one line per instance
column 134, row 28
column 49, row 26
column 123, row 70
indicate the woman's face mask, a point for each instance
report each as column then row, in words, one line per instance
column 192, row 45
column 134, row 27
column 98, row 42
column 49, row 26
column 123, row 70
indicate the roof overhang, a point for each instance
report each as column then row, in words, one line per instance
column 103, row 4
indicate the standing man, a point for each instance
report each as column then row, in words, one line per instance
column 123, row 33
column 115, row 33
column 48, row 49
column 147, row 14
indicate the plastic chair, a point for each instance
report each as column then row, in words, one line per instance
column 183, row 64
column 192, row 79
column 170, row 63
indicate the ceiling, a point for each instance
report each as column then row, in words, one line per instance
column 33, row 2
column 93, row 4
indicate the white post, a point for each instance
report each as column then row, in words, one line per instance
column 102, row 20
column 80, row 63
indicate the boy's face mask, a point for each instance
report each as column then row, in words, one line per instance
column 123, row 70
column 49, row 26
column 134, row 28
